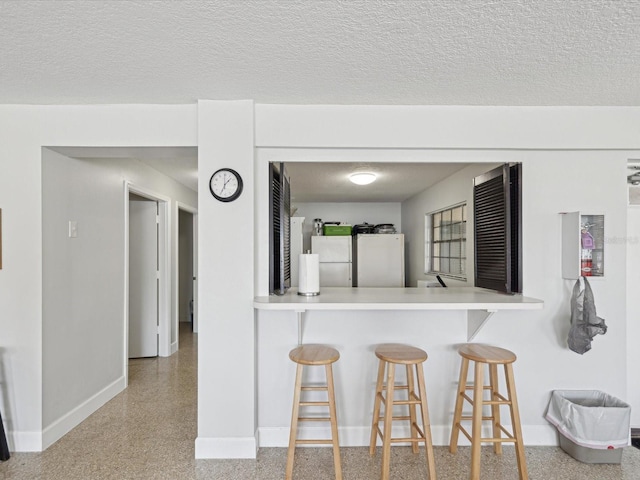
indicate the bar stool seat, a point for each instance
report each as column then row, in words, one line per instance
column 390, row 355
column 483, row 355
column 314, row 355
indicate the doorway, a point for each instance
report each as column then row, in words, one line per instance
column 143, row 277
column 147, row 292
column 187, row 300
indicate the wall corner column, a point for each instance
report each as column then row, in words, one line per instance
column 226, row 338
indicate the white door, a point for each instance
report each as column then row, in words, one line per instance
column 143, row 278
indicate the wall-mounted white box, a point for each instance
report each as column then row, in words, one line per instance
column 582, row 245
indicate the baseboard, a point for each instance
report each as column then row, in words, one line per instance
column 233, row 447
column 635, row 433
column 72, row 419
column 174, row 347
column 539, row 435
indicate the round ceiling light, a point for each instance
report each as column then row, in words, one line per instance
column 362, row 178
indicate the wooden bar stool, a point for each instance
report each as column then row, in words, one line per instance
column 492, row 356
column 390, row 355
column 314, row 355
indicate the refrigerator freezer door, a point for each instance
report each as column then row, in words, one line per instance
column 380, row 261
column 332, row 249
column 335, row 274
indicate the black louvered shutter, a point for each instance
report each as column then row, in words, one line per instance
column 279, row 215
column 496, row 198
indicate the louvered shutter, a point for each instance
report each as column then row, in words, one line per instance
column 496, row 197
column 279, row 215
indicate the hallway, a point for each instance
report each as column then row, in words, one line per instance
column 148, row 432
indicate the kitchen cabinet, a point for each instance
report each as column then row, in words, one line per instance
column 583, row 252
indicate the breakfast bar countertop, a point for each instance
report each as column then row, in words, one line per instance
column 371, row 298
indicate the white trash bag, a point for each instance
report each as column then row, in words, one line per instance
column 590, row 418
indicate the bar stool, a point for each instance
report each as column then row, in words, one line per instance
column 310, row 355
column 390, row 355
column 493, row 356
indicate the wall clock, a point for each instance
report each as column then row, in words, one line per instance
column 225, row 185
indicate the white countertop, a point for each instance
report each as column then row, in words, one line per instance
column 450, row 298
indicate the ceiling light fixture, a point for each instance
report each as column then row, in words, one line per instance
column 362, row 178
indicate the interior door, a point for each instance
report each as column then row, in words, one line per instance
column 143, row 278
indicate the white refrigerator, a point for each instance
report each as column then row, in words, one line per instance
column 335, row 259
column 378, row 260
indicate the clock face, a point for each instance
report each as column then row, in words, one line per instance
column 226, row 185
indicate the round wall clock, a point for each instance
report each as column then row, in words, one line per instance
column 225, row 185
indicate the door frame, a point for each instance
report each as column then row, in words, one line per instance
column 164, row 263
column 176, row 274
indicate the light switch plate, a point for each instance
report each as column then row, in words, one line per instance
column 73, row 229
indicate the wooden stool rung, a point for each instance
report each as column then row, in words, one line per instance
column 314, row 419
column 314, row 404
column 403, row 417
column 407, row 402
column 314, row 389
column 505, row 431
column 406, row 440
column 470, row 417
column 470, row 387
column 496, row 402
column 464, row 431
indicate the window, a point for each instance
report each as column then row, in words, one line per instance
column 446, row 245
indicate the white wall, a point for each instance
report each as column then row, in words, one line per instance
column 560, row 172
column 556, row 180
column 83, row 281
column 456, row 188
column 24, row 130
column 632, row 242
column 350, row 213
column 226, row 334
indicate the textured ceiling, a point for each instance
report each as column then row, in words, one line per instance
column 396, row 182
column 438, row 52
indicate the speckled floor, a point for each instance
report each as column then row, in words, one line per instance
column 149, row 430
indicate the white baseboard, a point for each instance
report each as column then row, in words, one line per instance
column 174, row 347
column 233, row 447
column 540, row 435
column 72, row 419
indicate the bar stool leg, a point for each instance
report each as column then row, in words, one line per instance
column 426, row 423
column 457, row 415
column 388, row 416
column 476, row 429
column 495, row 408
column 412, row 408
column 294, row 422
column 515, row 421
column 334, row 423
column 376, row 409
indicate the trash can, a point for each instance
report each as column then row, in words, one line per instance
column 593, row 426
